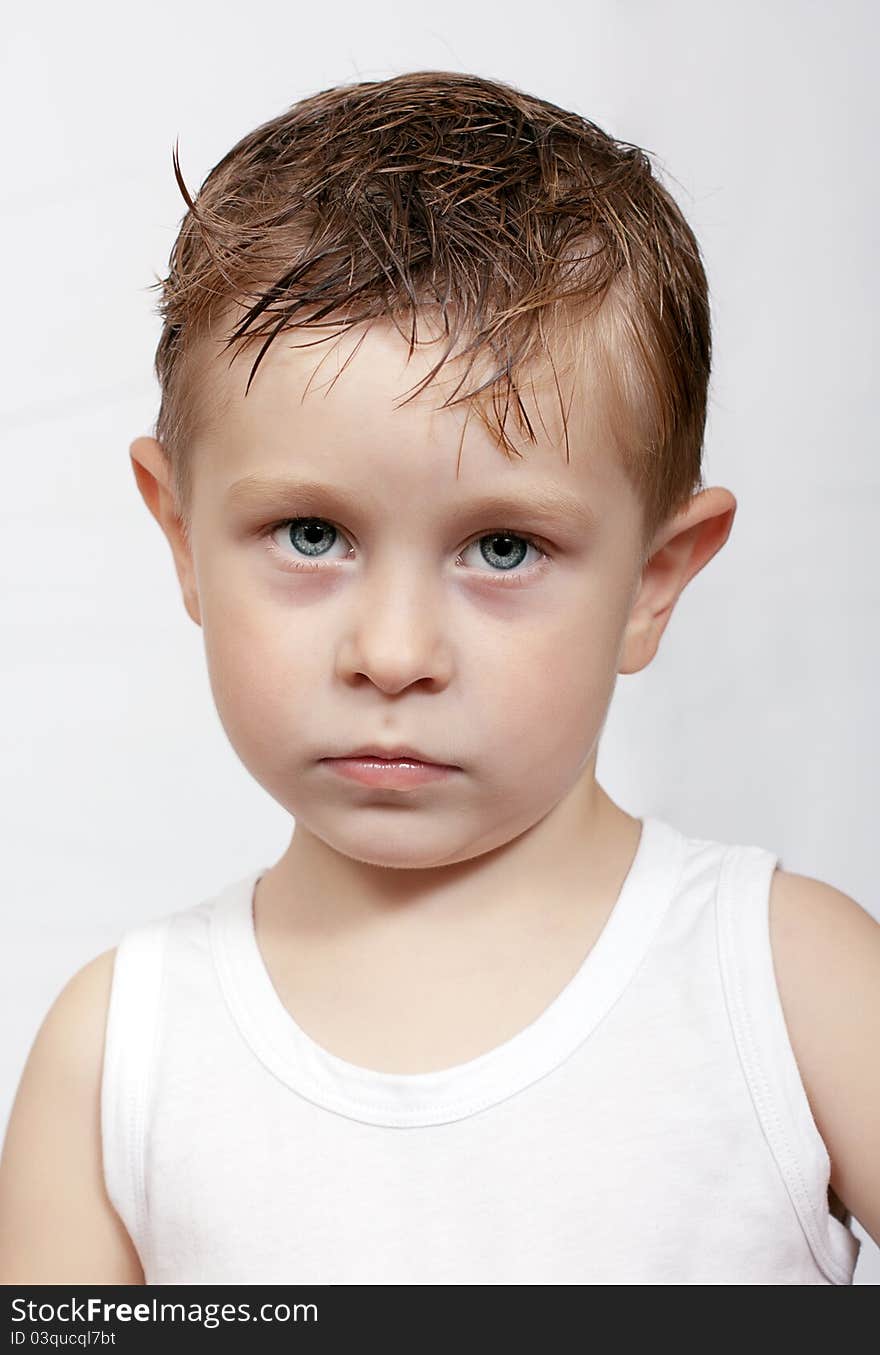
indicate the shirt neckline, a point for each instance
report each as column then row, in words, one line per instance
column 456, row 1092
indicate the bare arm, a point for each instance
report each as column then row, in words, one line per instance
column 57, row 1225
column 826, row 951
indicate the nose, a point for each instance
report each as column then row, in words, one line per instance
column 395, row 635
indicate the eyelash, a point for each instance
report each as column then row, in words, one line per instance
column 504, row 579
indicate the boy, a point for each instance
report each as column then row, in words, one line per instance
column 478, row 1024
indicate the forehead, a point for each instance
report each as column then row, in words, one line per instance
column 338, row 412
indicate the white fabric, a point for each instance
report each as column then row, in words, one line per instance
column 649, row 1127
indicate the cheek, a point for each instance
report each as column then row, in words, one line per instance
column 545, row 686
column 263, row 677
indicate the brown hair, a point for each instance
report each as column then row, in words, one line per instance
column 436, row 190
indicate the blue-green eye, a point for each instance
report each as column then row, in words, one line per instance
column 307, row 541
column 313, row 537
column 507, row 550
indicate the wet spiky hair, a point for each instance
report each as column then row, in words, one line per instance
column 445, row 193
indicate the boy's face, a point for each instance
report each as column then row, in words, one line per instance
column 396, row 628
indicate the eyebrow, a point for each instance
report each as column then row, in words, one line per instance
column 269, row 493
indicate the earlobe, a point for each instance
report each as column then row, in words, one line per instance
column 680, row 551
column 152, row 473
column 191, row 603
column 641, row 641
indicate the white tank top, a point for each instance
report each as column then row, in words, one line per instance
column 650, row 1126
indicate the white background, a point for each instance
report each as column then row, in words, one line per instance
column 121, row 797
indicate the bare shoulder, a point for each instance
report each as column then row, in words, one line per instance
column 826, row 955
column 57, row 1225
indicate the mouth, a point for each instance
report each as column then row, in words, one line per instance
column 397, row 756
column 403, row 771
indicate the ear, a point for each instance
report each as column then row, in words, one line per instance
column 152, row 471
column 680, row 549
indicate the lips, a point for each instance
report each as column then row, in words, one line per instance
column 401, row 753
column 402, row 773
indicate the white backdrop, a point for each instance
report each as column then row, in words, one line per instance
column 121, row 797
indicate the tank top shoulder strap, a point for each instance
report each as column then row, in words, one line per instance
column 767, row 1056
column 133, row 1021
